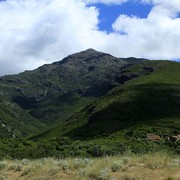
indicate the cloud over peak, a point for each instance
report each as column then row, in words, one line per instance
column 34, row 32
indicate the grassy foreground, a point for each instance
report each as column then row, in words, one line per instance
column 148, row 167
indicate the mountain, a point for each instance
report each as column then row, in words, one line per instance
column 147, row 101
column 34, row 101
column 151, row 102
column 91, row 104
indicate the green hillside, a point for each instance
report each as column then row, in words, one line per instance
column 34, row 101
column 147, row 99
column 91, row 104
column 146, row 104
column 152, row 100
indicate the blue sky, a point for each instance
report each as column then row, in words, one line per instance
column 109, row 13
column 37, row 32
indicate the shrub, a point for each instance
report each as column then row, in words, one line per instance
column 104, row 174
column 3, row 165
column 65, row 166
column 15, row 166
column 53, row 170
column 25, row 161
column 3, row 176
column 96, row 151
column 126, row 160
column 126, row 177
column 117, row 165
column 82, row 162
column 26, row 171
column 82, row 172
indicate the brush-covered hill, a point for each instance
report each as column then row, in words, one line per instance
column 151, row 101
column 91, row 104
column 34, row 101
column 147, row 103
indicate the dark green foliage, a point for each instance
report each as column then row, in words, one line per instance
column 144, row 101
column 90, row 104
column 65, row 147
column 123, row 118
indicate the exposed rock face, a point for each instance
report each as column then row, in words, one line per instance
column 149, row 69
column 98, row 90
column 125, row 77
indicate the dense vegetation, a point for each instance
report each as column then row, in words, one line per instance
column 94, row 105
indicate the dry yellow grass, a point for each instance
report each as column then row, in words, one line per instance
column 145, row 167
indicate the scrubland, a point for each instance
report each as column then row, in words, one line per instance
column 154, row 166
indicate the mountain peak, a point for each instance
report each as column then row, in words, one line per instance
column 86, row 55
column 87, row 52
column 90, row 50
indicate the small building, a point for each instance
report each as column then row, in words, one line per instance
column 153, row 137
column 176, row 138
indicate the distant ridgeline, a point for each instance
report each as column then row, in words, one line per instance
column 94, row 100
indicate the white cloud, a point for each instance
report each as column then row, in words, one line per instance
column 173, row 6
column 157, row 35
column 34, row 32
column 105, row 1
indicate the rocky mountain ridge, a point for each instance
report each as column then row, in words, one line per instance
column 33, row 101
